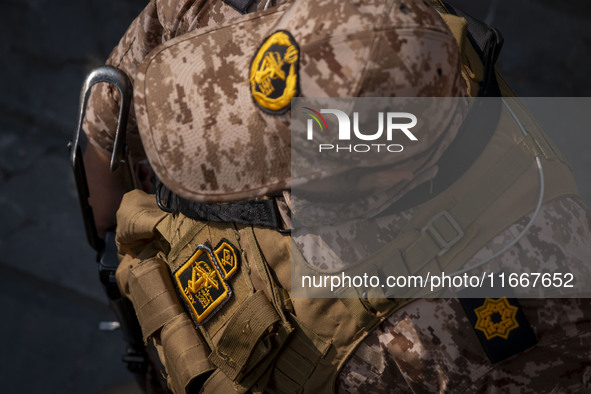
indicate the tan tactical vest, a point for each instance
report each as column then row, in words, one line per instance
column 253, row 336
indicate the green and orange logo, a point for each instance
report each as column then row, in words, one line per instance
column 315, row 115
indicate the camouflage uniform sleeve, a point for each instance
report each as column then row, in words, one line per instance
column 159, row 22
column 429, row 345
column 144, row 33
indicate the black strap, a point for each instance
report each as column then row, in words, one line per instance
column 263, row 212
column 487, row 42
column 239, row 5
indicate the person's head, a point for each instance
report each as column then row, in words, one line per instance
column 213, row 106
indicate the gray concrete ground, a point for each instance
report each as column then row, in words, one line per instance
column 50, row 296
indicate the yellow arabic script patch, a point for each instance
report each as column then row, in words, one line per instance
column 274, row 73
column 202, row 280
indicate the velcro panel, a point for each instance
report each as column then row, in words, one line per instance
column 185, row 352
column 154, row 298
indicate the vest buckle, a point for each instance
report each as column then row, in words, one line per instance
column 444, row 230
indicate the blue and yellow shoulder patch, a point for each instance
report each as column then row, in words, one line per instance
column 274, row 73
column 202, row 281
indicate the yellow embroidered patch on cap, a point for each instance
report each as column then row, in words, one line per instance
column 202, row 284
column 274, row 73
column 496, row 318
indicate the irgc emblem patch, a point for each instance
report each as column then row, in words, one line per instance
column 202, row 280
column 274, row 70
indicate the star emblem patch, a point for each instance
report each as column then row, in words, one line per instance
column 496, row 318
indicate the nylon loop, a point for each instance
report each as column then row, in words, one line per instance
column 154, row 298
column 185, row 352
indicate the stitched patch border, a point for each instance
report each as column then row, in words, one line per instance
column 274, row 73
column 201, row 284
column 228, row 258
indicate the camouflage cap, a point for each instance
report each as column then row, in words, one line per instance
column 213, row 105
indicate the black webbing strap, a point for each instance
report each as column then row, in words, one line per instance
column 239, row 5
column 487, row 42
column 262, row 212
